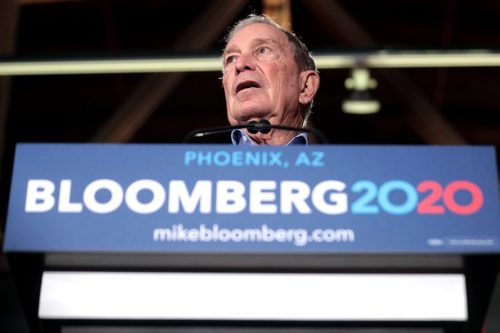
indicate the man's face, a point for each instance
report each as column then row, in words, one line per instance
column 261, row 78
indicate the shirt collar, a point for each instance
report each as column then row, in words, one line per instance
column 238, row 137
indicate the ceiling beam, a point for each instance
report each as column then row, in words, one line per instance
column 154, row 89
column 420, row 114
column 373, row 59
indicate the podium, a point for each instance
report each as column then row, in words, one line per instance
column 191, row 238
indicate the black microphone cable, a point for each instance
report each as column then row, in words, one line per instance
column 253, row 127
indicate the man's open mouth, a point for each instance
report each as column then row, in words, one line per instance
column 246, row 85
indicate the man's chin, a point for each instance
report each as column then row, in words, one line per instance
column 243, row 119
column 248, row 112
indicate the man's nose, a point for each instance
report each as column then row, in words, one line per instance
column 245, row 62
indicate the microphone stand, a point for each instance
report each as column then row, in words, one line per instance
column 253, row 127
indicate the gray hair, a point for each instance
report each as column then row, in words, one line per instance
column 301, row 53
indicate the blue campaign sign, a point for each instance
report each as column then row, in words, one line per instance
column 226, row 199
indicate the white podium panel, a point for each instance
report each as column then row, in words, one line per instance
column 253, row 296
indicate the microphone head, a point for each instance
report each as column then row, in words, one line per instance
column 264, row 126
column 252, row 127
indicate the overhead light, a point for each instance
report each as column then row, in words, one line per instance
column 360, row 100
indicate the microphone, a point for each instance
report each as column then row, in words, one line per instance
column 264, row 126
column 253, row 127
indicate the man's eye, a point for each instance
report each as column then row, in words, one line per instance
column 230, row 60
column 263, row 49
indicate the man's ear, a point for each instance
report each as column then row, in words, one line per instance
column 309, row 85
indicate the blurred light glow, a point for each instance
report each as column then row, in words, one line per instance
column 361, row 100
column 361, row 107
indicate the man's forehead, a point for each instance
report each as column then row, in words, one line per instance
column 253, row 42
column 257, row 33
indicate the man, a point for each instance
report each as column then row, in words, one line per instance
column 268, row 74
